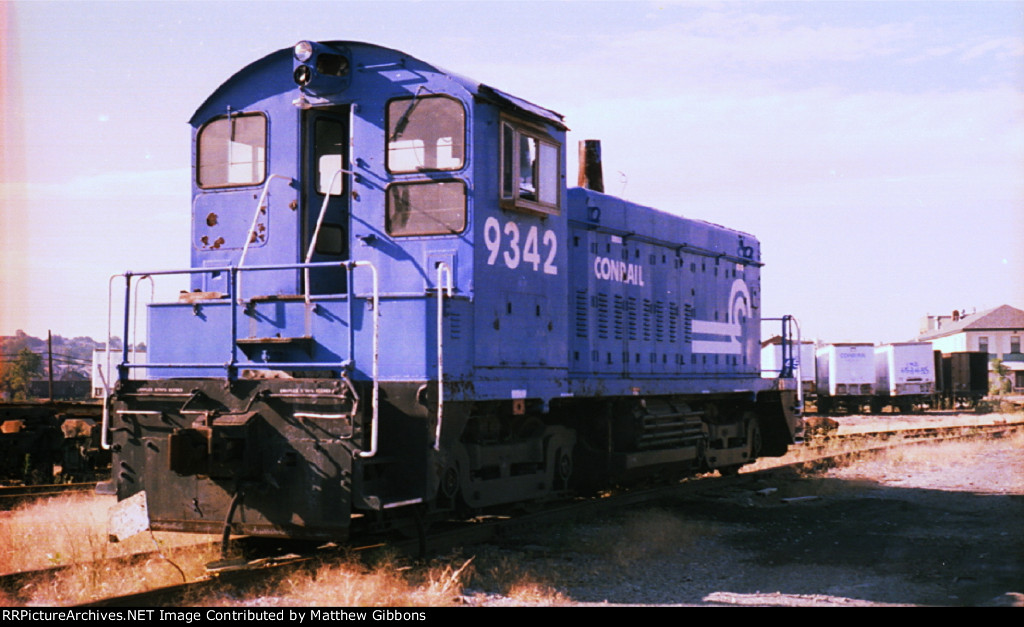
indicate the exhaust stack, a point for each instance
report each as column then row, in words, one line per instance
column 591, row 176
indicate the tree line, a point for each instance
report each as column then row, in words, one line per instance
column 24, row 358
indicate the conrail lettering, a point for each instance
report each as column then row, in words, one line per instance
column 619, row 271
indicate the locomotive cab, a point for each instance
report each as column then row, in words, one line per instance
column 338, row 191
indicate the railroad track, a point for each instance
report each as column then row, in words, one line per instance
column 834, row 446
column 237, row 577
column 16, row 494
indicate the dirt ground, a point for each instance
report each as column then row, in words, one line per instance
column 932, row 525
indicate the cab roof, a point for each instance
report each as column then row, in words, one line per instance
column 282, row 82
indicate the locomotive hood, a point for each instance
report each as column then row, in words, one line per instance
column 638, row 221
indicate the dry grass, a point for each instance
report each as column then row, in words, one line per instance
column 71, row 531
column 626, row 546
column 393, row 582
column 519, row 585
column 945, row 465
column 528, row 592
column 87, row 582
column 388, row 582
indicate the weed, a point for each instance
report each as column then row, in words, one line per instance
column 71, row 530
column 388, row 582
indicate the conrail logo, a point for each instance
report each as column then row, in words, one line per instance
column 725, row 338
column 619, row 271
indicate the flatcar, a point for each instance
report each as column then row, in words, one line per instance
column 398, row 309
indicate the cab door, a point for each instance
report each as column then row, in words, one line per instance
column 326, row 188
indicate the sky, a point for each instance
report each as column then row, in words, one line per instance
column 876, row 149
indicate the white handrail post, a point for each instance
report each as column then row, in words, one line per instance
column 319, row 222
column 799, row 365
column 252, row 229
column 375, row 373
column 105, row 423
column 442, row 270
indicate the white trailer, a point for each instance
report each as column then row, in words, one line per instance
column 904, row 375
column 845, row 376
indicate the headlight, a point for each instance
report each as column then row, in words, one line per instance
column 303, row 51
column 303, row 74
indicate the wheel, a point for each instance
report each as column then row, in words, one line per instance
column 563, row 468
column 449, row 485
column 755, row 442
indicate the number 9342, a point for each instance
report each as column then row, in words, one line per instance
column 514, row 249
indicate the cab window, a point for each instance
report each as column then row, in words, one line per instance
column 232, row 151
column 426, row 134
column 329, row 153
column 426, row 208
column 530, row 169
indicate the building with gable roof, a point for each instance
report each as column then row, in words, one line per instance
column 998, row 332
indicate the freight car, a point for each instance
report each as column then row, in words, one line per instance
column 47, row 441
column 398, row 309
column 845, row 376
column 904, row 376
column 907, row 376
column 965, row 378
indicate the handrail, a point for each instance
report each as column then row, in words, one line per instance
column 255, row 217
column 105, row 416
column 442, row 269
column 319, row 222
column 376, row 353
column 235, row 269
column 105, row 422
column 799, row 363
column 125, row 366
column 788, row 371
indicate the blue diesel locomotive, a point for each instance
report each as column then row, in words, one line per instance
column 398, row 309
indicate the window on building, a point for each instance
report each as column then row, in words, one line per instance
column 530, row 169
column 983, row 344
column 232, row 151
column 426, row 134
column 427, row 208
column 1015, row 344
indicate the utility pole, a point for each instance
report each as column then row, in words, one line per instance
column 49, row 350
